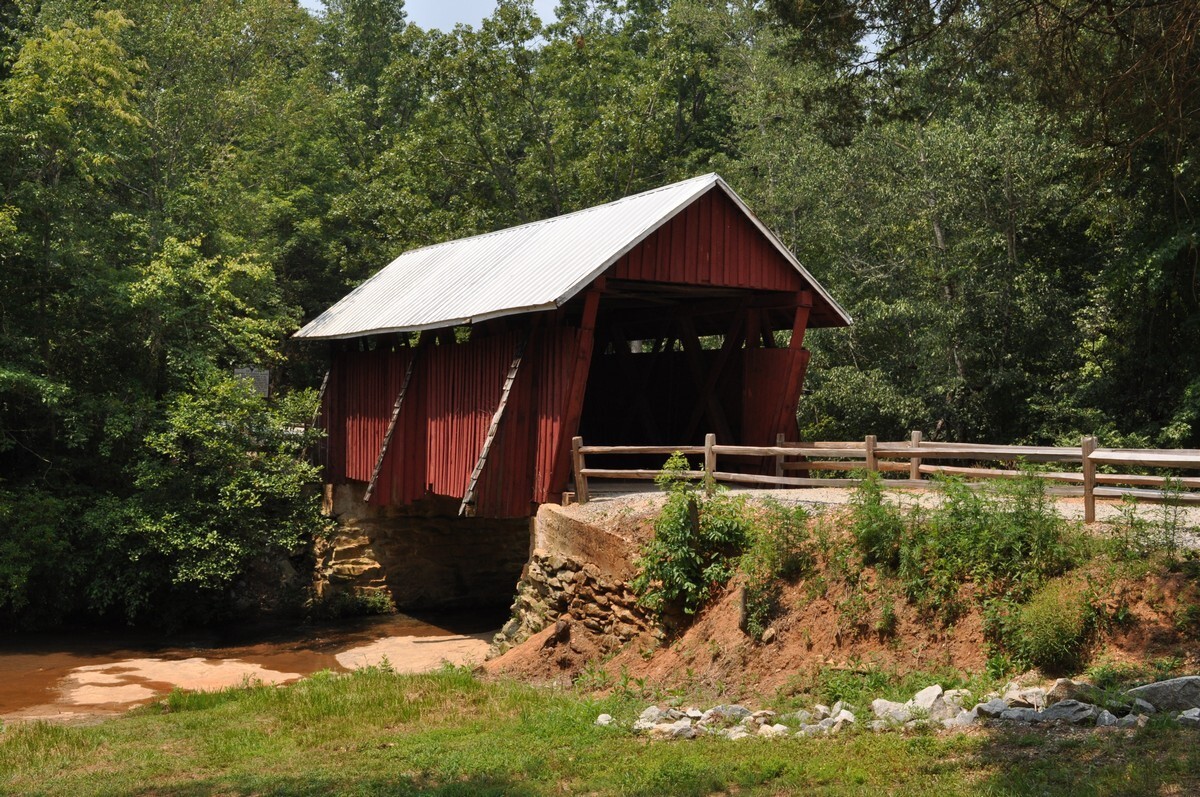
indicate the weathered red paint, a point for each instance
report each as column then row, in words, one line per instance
column 711, row 242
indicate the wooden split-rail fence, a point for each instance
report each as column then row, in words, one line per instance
column 914, row 460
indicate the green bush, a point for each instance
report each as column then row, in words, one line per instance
column 356, row 603
column 696, row 538
column 878, row 525
column 1006, row 541
column 1051, row 631
column 780, row 548
column 37, row 567
column 220, row 486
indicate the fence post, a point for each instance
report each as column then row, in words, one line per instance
column 914, row 463
column 581, row 487
column 710, row 460
column 872, row 462
column 779, row 441
column 1087, row 446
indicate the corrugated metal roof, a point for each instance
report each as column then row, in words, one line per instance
column 537, row 266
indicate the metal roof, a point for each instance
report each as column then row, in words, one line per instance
column 536, row 266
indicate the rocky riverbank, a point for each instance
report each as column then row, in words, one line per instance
column 1066, row 702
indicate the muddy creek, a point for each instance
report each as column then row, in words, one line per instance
column 84, row 676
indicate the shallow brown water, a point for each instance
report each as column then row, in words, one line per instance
column 80, row 676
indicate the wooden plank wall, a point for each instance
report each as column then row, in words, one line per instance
column 711, row 242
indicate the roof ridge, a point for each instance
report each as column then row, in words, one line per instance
column 712, row 177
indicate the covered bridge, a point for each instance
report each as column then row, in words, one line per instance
column 463, row 370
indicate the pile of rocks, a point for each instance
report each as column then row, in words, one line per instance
column 1066, row 702
column 554, row 587
column 737, row 722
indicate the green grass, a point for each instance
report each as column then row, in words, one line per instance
column 376, row 732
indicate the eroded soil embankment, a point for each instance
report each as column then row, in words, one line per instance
column 825, row 620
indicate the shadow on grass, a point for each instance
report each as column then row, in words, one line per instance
column 1161, row 759
column 471, row 786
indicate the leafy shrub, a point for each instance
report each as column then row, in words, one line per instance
column 878, row 525
column 779, row 548
column 220, row 485
column 36, row 562
column 1007, row 540
column 1052, row 629
column 696, row 537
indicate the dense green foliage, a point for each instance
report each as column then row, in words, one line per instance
column 697, row 537
column 1051, row 630
column 1003, row 194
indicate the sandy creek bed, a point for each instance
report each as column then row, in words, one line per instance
column 86, row 676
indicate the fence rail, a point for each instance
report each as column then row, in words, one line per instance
column 886, row 457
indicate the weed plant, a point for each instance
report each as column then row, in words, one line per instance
column 997, row 547
column 356, row 603
column 697, row 537
column 1052, row 628
column 878, row 525
column 780, row 549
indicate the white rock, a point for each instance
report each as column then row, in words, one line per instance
column 941, row 710
column 820, row 712
column 1017, row 697
column 1106, row 719
column 1189, row 718
column 925, row 698
column 768, row 635
column 604, row 720
column 957, row 697
column 1066, row 689
column 843, row 715
column 993, row 708
column 1142, row 707
column 891, row 711
column 1176, row 694
column 680, row 729
column 1132, row 721
column 652, row 714
column 773, row 731
column 1072, row 711
column 1021, row 715
column 964, row 719
column 735, row 733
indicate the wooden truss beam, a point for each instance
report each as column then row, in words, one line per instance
column 391, row 429
column 468, row 500
column 707, row 401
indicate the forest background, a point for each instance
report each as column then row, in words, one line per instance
column 1003, row 193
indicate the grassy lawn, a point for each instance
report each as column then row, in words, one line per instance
column 374, row 732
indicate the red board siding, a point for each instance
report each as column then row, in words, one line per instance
column 464, row 383
column 711, row 242
column 772, row 382
column 439, row 434
column 559, row 348
column 362, row 391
